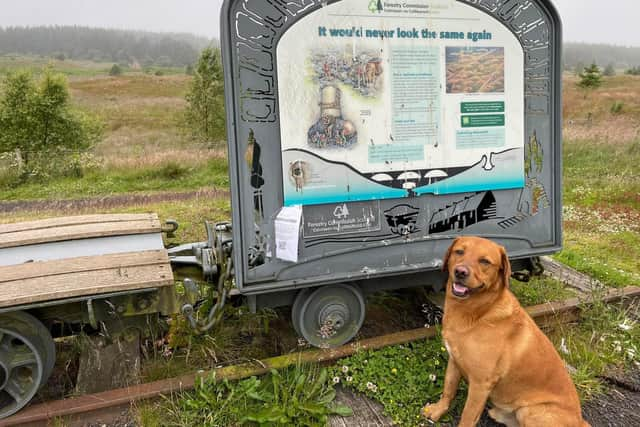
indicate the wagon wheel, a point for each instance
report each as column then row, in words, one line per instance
column 27, row 356
column 297, row 306
column 330, row 315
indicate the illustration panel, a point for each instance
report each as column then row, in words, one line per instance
column 375, row 104
column 475, row 69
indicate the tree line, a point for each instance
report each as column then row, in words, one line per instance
column 97, row 44
column 577, row 55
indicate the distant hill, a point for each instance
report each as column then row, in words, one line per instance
column 142, row 48
column 621, row 57
column 130, row 48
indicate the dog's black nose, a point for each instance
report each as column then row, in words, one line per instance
column 461, row 272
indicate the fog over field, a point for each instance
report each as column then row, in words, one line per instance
column 589, row 21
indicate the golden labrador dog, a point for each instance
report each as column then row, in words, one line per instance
column 499, row 350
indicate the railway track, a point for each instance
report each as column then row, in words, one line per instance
column 108, row 405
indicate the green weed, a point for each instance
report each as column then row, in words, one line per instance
column 602, row 261
column 616, row 107
column 96, row 182
column 302, row 396
column 539, row 290
column 602, row 209
column 242, row 335
column 170, row 171
column 148, row 414
column 402, row 378
column 607, row 336
column 600, row 174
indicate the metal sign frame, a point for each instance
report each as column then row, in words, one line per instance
column 416, row 229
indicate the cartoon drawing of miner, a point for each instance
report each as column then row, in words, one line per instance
column 331, row 130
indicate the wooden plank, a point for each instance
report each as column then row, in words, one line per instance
column 32, row 270
column 79, row 231
column 366, row 412
column 569, row 276
column 84, row 283
column 108, row 363
column 73, row 220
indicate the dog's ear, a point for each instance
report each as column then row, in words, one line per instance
column 505, row 268
column 445, row 260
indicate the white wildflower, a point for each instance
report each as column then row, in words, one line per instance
column 432, row 377
column 336, row 380
column 626, row 325
column 349, row 378
column 345, row 369
column 563, row 347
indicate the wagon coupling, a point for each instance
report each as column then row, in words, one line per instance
column 214, row 258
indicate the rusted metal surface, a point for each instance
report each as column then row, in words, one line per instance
column 545, row 314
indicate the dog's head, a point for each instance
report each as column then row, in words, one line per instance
column 475, row 265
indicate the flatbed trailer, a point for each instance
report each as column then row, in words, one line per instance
column 110, row 272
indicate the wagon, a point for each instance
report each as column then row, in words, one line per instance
column 108, row 272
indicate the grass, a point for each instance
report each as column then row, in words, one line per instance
column 402, row 378
column 169, row 175
column 72, row 68
column 607, row 336
column 302, row 395
column 602, row 175
column 539, row 290
column 601, row 154
column 602, row 210
column 144, row 137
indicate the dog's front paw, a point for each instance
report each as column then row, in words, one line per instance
column 435, row 411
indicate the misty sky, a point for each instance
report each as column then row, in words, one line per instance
column 593, row 21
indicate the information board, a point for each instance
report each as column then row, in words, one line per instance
column 382, row 100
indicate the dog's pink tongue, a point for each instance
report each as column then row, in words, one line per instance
column 459, row 288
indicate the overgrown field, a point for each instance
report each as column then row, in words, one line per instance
column 602, row 180
column 145, row 146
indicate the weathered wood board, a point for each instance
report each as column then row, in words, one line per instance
column 76, row 227
column 366, row 412
column 82, row 276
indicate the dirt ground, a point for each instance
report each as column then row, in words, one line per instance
column 119, row 200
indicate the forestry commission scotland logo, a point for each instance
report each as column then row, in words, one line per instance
column 375, row 6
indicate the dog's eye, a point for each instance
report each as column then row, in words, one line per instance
column 485, row 261
column 459, row 251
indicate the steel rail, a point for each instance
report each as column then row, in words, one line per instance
column 547, row 315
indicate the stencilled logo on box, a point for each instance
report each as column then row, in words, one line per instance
column 341, row 218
